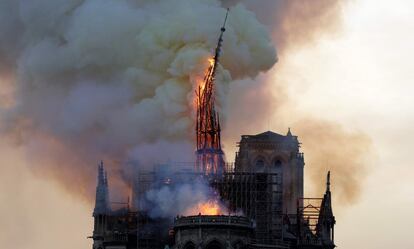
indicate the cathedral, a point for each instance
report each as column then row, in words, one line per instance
column 263, row 191
column 265, row 183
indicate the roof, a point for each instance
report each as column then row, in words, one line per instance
column 268, row 135
column 272, row 138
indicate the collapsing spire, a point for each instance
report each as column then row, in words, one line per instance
column 102, row 194
column 210, row 159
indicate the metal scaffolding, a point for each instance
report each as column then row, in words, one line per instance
column 307, row 221
column 259, row 197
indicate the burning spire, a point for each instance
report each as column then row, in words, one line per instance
column 210, row 156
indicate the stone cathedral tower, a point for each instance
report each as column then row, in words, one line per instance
column 102, row 208
column 270, row 152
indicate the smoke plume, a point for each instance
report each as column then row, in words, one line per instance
column 84, row 80
column 327, row 145
column 188, row 197
column 115, row 80
column 296, row 22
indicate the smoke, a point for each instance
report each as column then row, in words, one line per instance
column 183, row 198
column 115, row 80
column 328, row 146
column 83, row 80
column 264, row 103
column 295, row 22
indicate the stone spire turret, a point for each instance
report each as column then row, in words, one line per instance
column 326, row 220
column 102, row 194
column 289, row 133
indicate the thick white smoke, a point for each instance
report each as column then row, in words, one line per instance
column 104, row 78
column 184, row 198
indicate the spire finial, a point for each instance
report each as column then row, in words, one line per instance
column 289, row 133
column 328, row 182
column 102, row 198
column 225, row 20
column 220, row 40
column 101, row 173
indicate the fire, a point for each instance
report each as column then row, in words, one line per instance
column 202, row 86
column 210, row 207
column 211, row 61
column 200, row 81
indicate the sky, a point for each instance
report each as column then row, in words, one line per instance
column 360, row 77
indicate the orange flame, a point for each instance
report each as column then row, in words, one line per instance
column 210, row 207
column 200, row 84
column 211, row 61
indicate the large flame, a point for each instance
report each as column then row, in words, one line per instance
column 201, row 80
column 209, row 207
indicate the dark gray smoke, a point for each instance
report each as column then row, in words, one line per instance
column 115, row 79
column 83, row 80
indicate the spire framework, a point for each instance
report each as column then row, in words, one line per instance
column 210, row 156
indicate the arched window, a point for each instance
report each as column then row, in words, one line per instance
column 214, row 245
column 189, row 245
column 239, row 245
column 259, row 163
column 278, row 164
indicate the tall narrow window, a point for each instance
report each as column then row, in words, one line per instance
column 260, row 165
column 277, row 168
